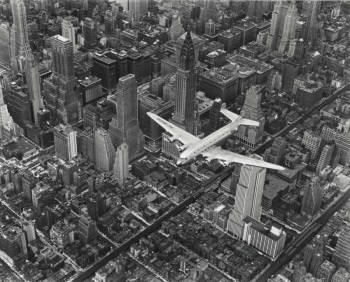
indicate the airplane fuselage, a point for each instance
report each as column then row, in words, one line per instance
column 215, row 139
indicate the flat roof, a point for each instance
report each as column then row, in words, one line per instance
column 61, row 38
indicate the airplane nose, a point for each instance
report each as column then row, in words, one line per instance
column 179, row 162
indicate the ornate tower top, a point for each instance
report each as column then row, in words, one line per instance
column 187, row 56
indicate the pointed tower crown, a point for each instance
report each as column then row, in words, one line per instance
column 187, row 56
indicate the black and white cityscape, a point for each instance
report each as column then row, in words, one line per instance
column 174, row 140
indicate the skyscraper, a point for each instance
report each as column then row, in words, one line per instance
column 34, row 86
column 277, row 151
column 124, row 127
column 68, row 31
column 326, row 157
column 312, row 198
column 89, row 31
column 342, row 140
column 138, row 8
column 104, row 150
column 248, row 198
column 5, row 118
column 255, row 9
column 185, row 86
column 288, row 28
column 5, row 43
column 252, row 135
column 19, row 31
column 65, row 142
column 326, row 271
column 312, row 142
column 60, row 91
column 121, row 164
column 299, row 271
column 341, row 275
column 342, row 250
column 311, row 21
column 277, row 24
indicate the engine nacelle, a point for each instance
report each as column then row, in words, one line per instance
column 224, row 163
column 183, row 147
column 173, row 138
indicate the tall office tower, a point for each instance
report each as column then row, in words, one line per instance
column 68, row 31
column 341, row 275
column 326, row 271
column 138, row 8
column 5, row 56
column 342, row 249
column 255, row 9
column 312, row 198
column 89, row 31
column 87, row 228
column 176, row 29
column 5, row 118
column 248, row 198
column 215, row 115
column 299, row 271
column 252, row 135
column 235, row 179
column 104, row 150
column 60, row 90
column 43, row 195
column 13, row 242
column 121, row 164
column 185, row 86
column 34, row 86
column 311, row 142
column 19, row 33
column 29, row 228
column 277, row 24
column 28, row 183
column 124, row 127
column 309, row 252
column 110, row 22
column 311, row 22
column 342, row 140
column 326, row 157
column 276, row 152
column 288, row 28
column 65, row 142
column 316, row 263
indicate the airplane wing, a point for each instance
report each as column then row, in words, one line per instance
column 176, row 132
column 232, row 116
column 237, row 118
column 230, row 157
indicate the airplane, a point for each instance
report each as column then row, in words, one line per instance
column 210, row 146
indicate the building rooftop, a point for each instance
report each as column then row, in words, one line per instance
column 61, row 38
column 273, row 186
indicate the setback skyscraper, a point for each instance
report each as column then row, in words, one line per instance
column 121, row 165
column 341, row 254
column 252, row 135
column 60, row 90
column 104, row 150
column 277, row 24
column 34, row 86
column 5, row 118
column 248, row 198
column 124, row 127
column 186, row 86
column 312, row 198
column 288, row 28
